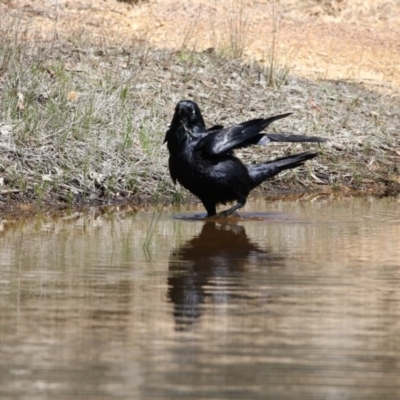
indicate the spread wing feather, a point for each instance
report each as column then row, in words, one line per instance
column 290, row 137
column 225, row 140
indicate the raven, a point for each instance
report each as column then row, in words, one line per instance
column 202, row 159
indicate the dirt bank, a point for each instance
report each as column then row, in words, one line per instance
column 86, row 97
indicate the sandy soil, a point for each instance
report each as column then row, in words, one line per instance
column 331, row 39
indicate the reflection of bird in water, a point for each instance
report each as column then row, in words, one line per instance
column 210, row 265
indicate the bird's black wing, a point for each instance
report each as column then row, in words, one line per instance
column 222, row 141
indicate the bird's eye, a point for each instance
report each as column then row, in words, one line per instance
column 193, row 112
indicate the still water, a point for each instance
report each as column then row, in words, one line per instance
column 297, row 300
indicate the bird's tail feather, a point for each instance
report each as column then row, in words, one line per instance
column 260, row 172
column 290, row 137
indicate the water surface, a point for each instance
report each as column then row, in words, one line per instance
column 296, row 300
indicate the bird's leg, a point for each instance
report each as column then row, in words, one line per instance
column 210, row 207
column 231, row 210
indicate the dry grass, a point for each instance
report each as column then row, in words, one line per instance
column 344, row 10
column 84, row 124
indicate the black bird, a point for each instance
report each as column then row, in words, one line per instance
column 202, row 160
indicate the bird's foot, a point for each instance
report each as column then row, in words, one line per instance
column 228, row 213
column 231, row 211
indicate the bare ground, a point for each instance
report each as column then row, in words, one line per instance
column 329, row 39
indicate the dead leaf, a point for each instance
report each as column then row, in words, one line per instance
column 314, row 104
column 316, row 178
column 208, row 84
column 21, row 105
column 72, row 96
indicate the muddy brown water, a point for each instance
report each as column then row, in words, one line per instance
column 296, row 300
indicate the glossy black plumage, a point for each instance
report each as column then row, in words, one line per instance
column 202, row 160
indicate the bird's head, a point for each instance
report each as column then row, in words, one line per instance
column 188, row 114
column 187, row 121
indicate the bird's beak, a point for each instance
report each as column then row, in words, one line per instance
column 166, row 136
